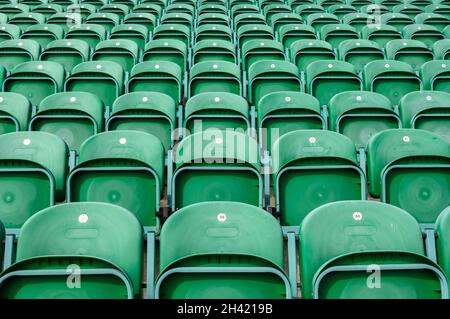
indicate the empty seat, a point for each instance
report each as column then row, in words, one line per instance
column 243, row 8
column 374, row 9
column 413, row 52
column 148, row 7
column 84, row 10
column 14, row 52
column 360, row 52
column 290, row 33
column 216, row 165
column 24, row 20
column 304, row 10
column 321, row 164
column 9, row 32
column 285, row 111
column 167, row 50
column 340, row 10
column 177, row 18
column 211, row 8
column 73, row 116
column 318, row 20
column 216, row 110
column 102, row 78
column 356, row 20
column 360, row 114
column 10, row 9
column 150, row 112
column 35, row 80
column 15, row 112
column 124, row 168
column 248, row 264
column 279, row 20
column 304, row 52
column 130, row 31
column 213, row 18
column 90, row 33
column 423, row 32
column 436, row 75
column 427, row 110
column 214, row 76
column 442, row 241
column 269, row 76
column 257, row 50
column 117, row 8
column 328, row 3
column 248, row 33
column 172, row 31
column 391, row 78
column 334, row 34
column 213, row 32
column 408, row 9
column 326, row 78
column 272, row 9
column 67, row 240
column 143, row 19
column 389, row 4
column 123, row 51
column 43, row 33
column 157, row 76
column 380, row 34
column 436, row 20
column 64, row 20
column 34, row 168
column 67, row 52
column 253, row 19
column 410, row 169
column 441, row 9
column 207, row 50
column 441, row 49
column 180, row 8
column 105, row 19
column 342, row 257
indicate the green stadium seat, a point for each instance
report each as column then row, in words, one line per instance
column 436, row 20
column 328, row 3
column 73, row 116
column 64, row 20
column 413, row 52
column 336, row 33
column 340, row 10
column 264, row 3
column 33, row 172
column 133, row 32
column 441, row 9
column 210, row 50
column 269, row 76
column 180, row 8
column 356, row 20
column 343, row 257
column 129, row 3
column 360, row 114
column 213, row 32
column 279, row 20
column 272, row 9
column 120, row 9
column 216, row 166
column 374, row 9
column 177, row 18
column 436, row 75
column 213, row 18
column 258, row 50
column 43, row 33
column 380, row 34
column 423, row 32
column 389, row 4
column 17, row 51
column 248, row 33
column 322, row 165
column 124, row 168
column 92, row 34
column 326, row 78
column 10, row 9
column 284, row 111
column 360, row 52
column 122, row 51
column 102, row 78
column 105, row 19
column 243, row 8
column 253, row 19
column 67, row 52
column 214, row 76
column 24, row 20
column 409, row 168
column 157, row 76
column 96, row 3
column 100, row 242
column 147, row 7
column 244, row 261
column 15, row 112
column 9, row 32
column 397, row 20
column 304, row 10
column 419, row 3
column 442, row 241
column 173, row 32
column 150, row 112
column 211, row 8
column 318, row 20
column 304, row 52
column 391, row 78
column 35, row 80
column 147, row 20
column 408, row 9
column 427, row 110
column 441, row 49
column 294, row 4
column 290, row 33
column 216, row 110
column 167, row 50
column 84, row 10
column 48, row 9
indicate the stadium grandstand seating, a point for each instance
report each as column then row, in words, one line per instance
column 179, row 149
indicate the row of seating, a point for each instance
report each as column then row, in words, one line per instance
column 348, row 249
